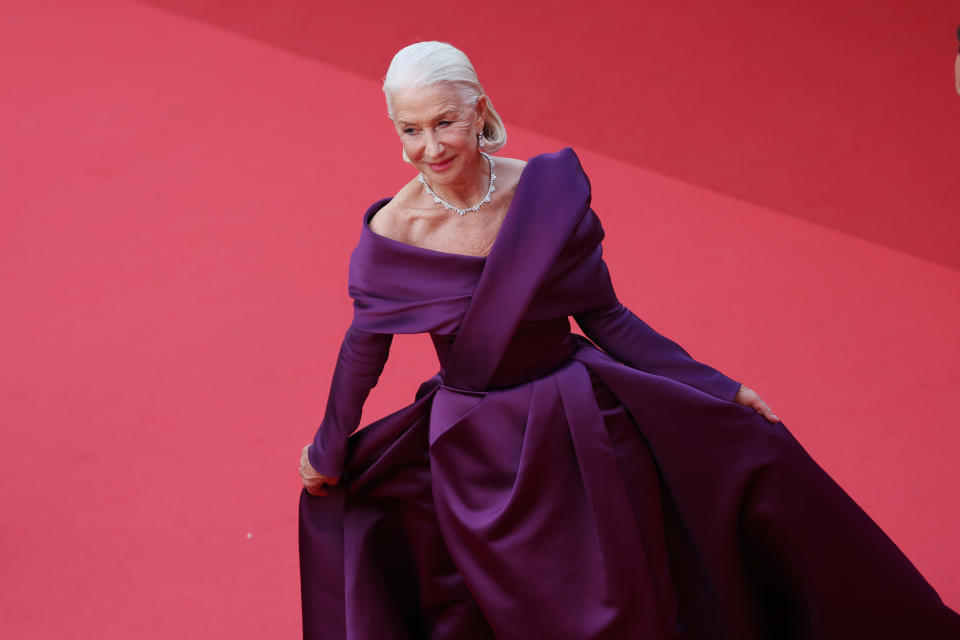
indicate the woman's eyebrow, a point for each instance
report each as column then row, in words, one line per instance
column 451, row 112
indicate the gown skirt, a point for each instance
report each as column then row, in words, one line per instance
column 545, row 484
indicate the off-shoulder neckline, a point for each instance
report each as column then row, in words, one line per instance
column 448, row 254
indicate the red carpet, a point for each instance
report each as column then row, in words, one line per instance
column 844, row 114
column 180, row 201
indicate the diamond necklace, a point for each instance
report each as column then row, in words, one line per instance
column 447, row 205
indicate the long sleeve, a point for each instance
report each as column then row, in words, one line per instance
column 359, row 364
column 619, row 332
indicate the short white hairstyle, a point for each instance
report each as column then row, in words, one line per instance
column 427, row 63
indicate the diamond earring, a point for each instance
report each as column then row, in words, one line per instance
column 480, row 141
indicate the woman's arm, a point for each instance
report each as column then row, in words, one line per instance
column 359, row 364
column 616, row 329
column 629, row 339
column 619, row 332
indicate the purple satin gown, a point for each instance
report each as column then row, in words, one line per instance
column 540, row 487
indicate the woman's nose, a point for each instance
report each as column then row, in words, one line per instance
column 434, row 146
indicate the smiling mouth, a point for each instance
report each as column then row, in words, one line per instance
column 440, row 166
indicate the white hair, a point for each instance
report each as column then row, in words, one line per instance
column 426, row 63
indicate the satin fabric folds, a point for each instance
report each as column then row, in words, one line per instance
column 547, row 486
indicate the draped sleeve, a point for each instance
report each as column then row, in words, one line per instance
column 616, row 329
column 394, row 290
column 360, row 362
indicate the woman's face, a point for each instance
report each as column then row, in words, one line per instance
column 439, row 133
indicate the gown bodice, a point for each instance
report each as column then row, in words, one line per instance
column 534, row 350
column 546, row 264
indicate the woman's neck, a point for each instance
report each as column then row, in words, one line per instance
column 470, row 187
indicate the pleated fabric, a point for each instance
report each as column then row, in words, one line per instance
column 546, row 485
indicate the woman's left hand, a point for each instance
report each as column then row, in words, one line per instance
column 315, row 483
column 749, row 398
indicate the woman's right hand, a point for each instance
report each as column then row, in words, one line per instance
column 315, row 483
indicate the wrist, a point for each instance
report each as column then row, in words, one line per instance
column 323, row 462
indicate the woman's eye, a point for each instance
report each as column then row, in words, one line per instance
column 408, row 131
column 443, row 123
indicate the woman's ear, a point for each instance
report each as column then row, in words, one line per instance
column 481, row 111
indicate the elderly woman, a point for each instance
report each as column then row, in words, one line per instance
column 542, row 485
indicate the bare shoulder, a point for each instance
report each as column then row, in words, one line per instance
column 508, row 172
column 390, row 219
